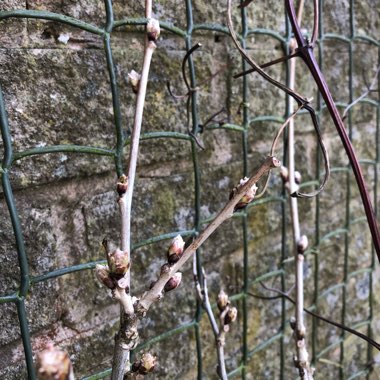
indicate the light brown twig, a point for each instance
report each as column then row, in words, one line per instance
column 155, row 293
column 121, row 353
column 302, row 359
column 202, row 292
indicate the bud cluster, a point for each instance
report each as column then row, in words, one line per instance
column 112, row 275
column 247, row 198
column 134, row 79
column 53, row 363
column 284, row 173
column 176, row 249
column 228, row 314
column 145, row 365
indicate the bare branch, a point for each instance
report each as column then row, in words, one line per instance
column 370, row 88
column 127, row 318
column 307, row 54
column 155, row 293
column 268, row 64
column 300, row 243
column 314, row 35
column 202, row 291
column 299, row 99
column 315, row 315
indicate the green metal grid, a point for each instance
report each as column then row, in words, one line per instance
column 9, row 157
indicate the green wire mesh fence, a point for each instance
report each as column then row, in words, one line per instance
column 283, row 268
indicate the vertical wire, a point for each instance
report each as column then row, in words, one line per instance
column 318, row 200
column 193, row 83
column 114, row 88
column 19, row 239
column 288, row 36
column 25, row 336
column 348, row 201
column 375, row 191
column 244, row 219
column 197, row 179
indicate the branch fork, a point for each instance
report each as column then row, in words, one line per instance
column 134, row 309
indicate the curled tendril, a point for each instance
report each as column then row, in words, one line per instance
column 301, row 100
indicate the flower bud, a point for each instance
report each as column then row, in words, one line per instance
column 297, row 177
column 122, row 185
column 153, row 30
column 230, row 316
column 248, row 197
column 165, row 268
column 118, row 261
column 53, row 364
column 173, row 283
column 103, row 275
column 222, row 300
column 302, row 244
column 292, row 322
column 284, row 173
column 134, row 79
column 175, row 250
column 147, row 363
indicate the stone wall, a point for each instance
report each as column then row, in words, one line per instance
column 56, row 89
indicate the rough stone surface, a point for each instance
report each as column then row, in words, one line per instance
column 57, row 90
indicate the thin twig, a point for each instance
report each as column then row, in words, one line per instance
column 155, row 293
column 289, row 120
column 299, row 99
column 272, row 151
column 306, row 51
column 285, row 295
column 121, row 352
column 370, row 88
column 202, row 291
column 314, row 35
column 302, row 362
column 268, row 64
column 170, row 278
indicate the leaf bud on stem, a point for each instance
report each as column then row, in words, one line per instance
column 173, row 283
column 122, row 185
column 53, row 364
column 222, row 300
column 134, row 79
column 153, row 30
column 175, row 250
